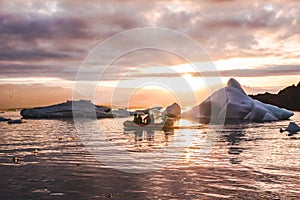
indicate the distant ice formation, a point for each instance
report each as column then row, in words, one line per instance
column 67, row 109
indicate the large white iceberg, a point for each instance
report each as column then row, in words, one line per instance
column 232, row 103
column 84, row 108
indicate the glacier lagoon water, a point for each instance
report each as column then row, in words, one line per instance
column 245, row 161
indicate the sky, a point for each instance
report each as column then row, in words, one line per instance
column 48, row 42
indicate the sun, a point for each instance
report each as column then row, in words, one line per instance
column 195, row 83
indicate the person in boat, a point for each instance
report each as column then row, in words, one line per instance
column 152, row 118
column 139, row 119
column 147, row 119
column 135, row 118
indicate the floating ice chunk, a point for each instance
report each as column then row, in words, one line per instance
column 232, row 102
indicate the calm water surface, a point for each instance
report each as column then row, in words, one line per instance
column 247, row 161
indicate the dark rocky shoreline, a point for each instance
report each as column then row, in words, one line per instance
column 288, row 98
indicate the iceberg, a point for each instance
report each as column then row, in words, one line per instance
column 232, row 103
column 4, row 119
column 84, row 108
column 292, row 128
column 173, row 110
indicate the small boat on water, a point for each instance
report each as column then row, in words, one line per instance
column 166, row 125
column 130, row 125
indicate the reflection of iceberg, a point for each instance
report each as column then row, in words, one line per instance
column 232, row 102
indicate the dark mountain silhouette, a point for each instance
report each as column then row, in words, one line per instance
column 288, row 98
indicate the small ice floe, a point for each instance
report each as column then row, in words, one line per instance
column 36, row 152
column 292, row 128
column 56, row 193
column 16, row 121
column 46, row 191
column 3, row 119
column 15, row 160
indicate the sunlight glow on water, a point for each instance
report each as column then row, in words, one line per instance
column 251, row 161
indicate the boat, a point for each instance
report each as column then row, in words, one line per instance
column 130, row 125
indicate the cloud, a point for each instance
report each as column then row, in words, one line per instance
column 230, row 29
column 52, row 39
column 34, row 54
column 15, row 71
column 274, row 70
column 27, row 38
column 32, row 28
